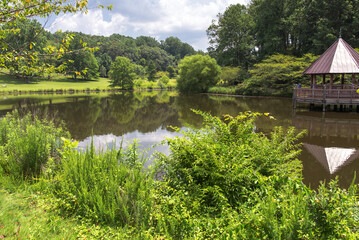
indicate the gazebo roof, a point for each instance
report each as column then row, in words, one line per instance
column 339, row 58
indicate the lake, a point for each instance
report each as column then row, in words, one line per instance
column 330, row 148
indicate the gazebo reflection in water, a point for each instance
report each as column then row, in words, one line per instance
column 338, row 61
column 330, row 147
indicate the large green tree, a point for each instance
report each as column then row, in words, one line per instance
column 157, row 55
column 318, row 23
column 197, row 73
column 230, row 37
column 177, row 48
column 122, row 73
column 272, row 26
column 80, row 63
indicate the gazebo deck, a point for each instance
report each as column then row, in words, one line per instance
column 336, row 95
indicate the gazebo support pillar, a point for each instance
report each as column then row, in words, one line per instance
column 323, row 79
column 311, row 81
column 353, row 79
column 331, row 80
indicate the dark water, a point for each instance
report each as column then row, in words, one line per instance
column 330, row 149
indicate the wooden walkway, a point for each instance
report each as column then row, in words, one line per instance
column 320, row 94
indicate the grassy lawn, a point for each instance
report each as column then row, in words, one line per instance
column 29, row 216
column 23, row 216
column 9, row 83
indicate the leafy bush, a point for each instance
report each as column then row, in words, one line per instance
column 197, row 73
column 224, row 162
column 227, row 182
column 27, row 143
column 277, row 75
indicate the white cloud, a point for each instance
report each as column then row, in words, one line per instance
column 156, row 18
column 91, row 23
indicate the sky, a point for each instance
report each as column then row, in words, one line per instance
column 185, row 19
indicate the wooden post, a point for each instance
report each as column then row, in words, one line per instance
column 353, row 79
column 314, row 80
column 331, row 80
column 323, row 79
column 295, row 97
column 324, row 97
column 311, row 81
column 342, row 80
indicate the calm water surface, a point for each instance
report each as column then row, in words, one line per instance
column 330, row 149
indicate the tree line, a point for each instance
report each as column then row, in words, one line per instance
column 244, row 35
column 88, row 56
column 278, row 34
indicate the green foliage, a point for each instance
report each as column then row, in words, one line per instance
column 160, row 58
column 224, row 181
column 171, row 70
column 233, row 75
column 147, row 41
column 197, row 73
column 122, row 73
column 151, row 69
column 231, row 37
column 27, row 144
column 81, row 63
column 221, row 163
column 26, row 57
column 244, row 35
column 223, row 90
column 177, row 48
column 104, row 61
column 110, row 187
column 277, row 75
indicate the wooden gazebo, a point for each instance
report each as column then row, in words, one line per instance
column 339, row 60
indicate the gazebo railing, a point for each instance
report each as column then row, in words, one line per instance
column 324, row 94
column 336, row 86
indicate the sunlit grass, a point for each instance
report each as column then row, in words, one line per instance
column 9, row 83
column 31, row 216
column 25, row 216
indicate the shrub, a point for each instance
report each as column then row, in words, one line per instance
column 225, row 181
column 197, row 73
column 225, row 161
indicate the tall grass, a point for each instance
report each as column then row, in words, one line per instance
column 27, row 143
column 110, row 187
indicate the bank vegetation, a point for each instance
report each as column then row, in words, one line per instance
column 221, row 181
